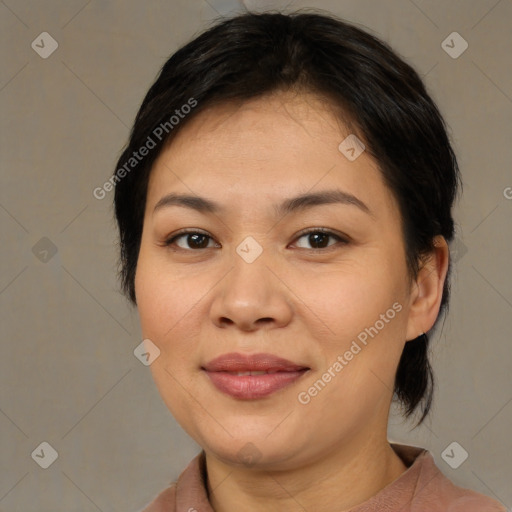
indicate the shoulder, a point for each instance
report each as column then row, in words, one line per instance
column 435, row 492
column 164, row 502
column 474, row 502
column 189, row 487
column 444, row 496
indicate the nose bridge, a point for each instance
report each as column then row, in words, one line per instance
column 249, row 281
column 250, row 292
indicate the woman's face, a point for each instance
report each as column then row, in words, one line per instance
column 251, row 282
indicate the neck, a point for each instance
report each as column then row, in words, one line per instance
column 336, row 481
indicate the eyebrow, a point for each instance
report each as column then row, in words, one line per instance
column 293, row 204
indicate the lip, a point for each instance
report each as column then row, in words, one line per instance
column 279, row 373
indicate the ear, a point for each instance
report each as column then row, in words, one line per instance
column 427, row 290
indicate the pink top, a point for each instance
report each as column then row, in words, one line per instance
column 421, row 488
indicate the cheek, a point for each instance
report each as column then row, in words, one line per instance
column 361, row 317
column 169, row 305
column 166, row 311
column 158, row 296
column 345, row 302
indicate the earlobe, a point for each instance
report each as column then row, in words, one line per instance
column 428, row 290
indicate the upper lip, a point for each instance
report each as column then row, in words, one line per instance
column 235, row 362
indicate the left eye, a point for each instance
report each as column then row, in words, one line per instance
column 319, row 239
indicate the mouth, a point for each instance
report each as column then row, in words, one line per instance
column 249, row 372
column 251, row 377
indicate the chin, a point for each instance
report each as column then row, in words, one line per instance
column 251, row 449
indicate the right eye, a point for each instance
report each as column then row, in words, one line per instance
column 191, row 240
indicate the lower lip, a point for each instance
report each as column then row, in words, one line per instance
column 251, row 387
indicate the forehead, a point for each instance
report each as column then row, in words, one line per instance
column 265, row 149
column 262, row 126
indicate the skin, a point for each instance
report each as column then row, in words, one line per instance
column 296, row 301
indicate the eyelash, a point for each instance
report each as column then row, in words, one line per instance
column 343, row 239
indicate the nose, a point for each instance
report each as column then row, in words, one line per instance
column 252, row 296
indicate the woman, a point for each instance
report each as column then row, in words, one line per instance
column 284, row 207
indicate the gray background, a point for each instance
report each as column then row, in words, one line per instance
column 68, row 375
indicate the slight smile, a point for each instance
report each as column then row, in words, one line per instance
column 250, row 377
